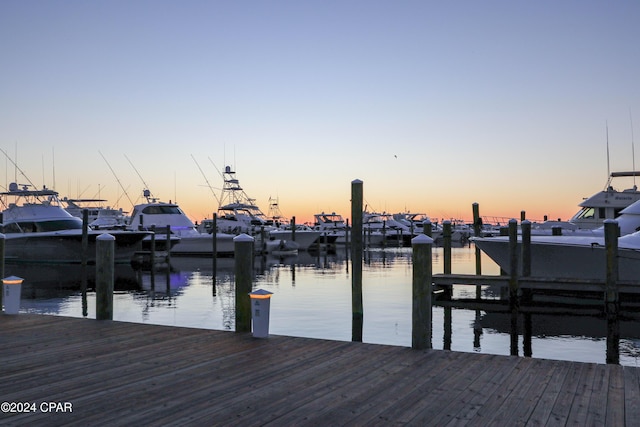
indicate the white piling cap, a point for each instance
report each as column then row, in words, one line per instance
column 243, row 238
column 105, row 236
column 422, row 239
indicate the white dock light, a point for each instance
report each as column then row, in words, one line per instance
column 260, row 305
column 11, row 294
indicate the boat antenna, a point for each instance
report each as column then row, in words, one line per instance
column 117, row 179
column 608, row 163
column 15, row 165
column 633, row 153
column 140, row 176
column 206, row 180
column 53, row 166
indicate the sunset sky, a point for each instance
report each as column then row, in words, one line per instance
column 433, row 105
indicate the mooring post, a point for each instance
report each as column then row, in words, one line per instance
column 526, row 248
column 513, row 284
column 243, row 253
column 426, row 228
column 347, row 231
column 357, row 314
column 293, row 228
column 105, row 276
column 612, row 303
column 214, row 248
column 446, row 243
column 477, row 230
column 152, row 252
column 422, row 282
column 83, row 261
column 526, row 255
column 384, row 233
column 167, row 245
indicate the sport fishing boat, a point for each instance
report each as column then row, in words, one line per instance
column 38, row 229
column 238, row 213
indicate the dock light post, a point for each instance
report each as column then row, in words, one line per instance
column 12, row 288
column 260, row 306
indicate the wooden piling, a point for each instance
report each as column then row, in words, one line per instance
column 426, row 228
column 422, row 279
column 477, row 230
column 167, row 244
column 293, row 228
column 214, row 247
column 243, row 253
column 446, row 243
column 105, row 276
column 384, row 233
column 526, row 248
column 513, row 284
column 612, row 303
column 83, row 261
column 347, row 231
column 356, row 260
column 152, row 251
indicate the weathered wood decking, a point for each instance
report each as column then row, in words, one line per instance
column 116, row 373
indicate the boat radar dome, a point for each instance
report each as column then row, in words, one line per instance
column 13, row 186
column 146, row 193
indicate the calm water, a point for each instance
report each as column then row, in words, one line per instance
column 312, row 298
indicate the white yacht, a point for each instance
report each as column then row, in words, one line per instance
column 382, row 228
column 332, row 226
column 575, row 255
column 38, row 229
column 190, row 242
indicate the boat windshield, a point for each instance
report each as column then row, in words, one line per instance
column 41, row 226
column 161, row 210
column 586, row 213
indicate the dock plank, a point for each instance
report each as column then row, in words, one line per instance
column 118, row 373
column 632, row 394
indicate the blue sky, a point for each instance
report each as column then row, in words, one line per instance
column 433, row 105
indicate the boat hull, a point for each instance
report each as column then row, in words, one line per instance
column 65, row 247
column 202, row 245
column 560, row 260
column 304, row 238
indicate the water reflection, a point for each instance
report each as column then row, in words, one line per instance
column 312, row 298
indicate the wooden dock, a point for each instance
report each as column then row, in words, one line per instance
column 116, row 373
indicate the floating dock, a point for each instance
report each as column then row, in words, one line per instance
column 74, row 371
